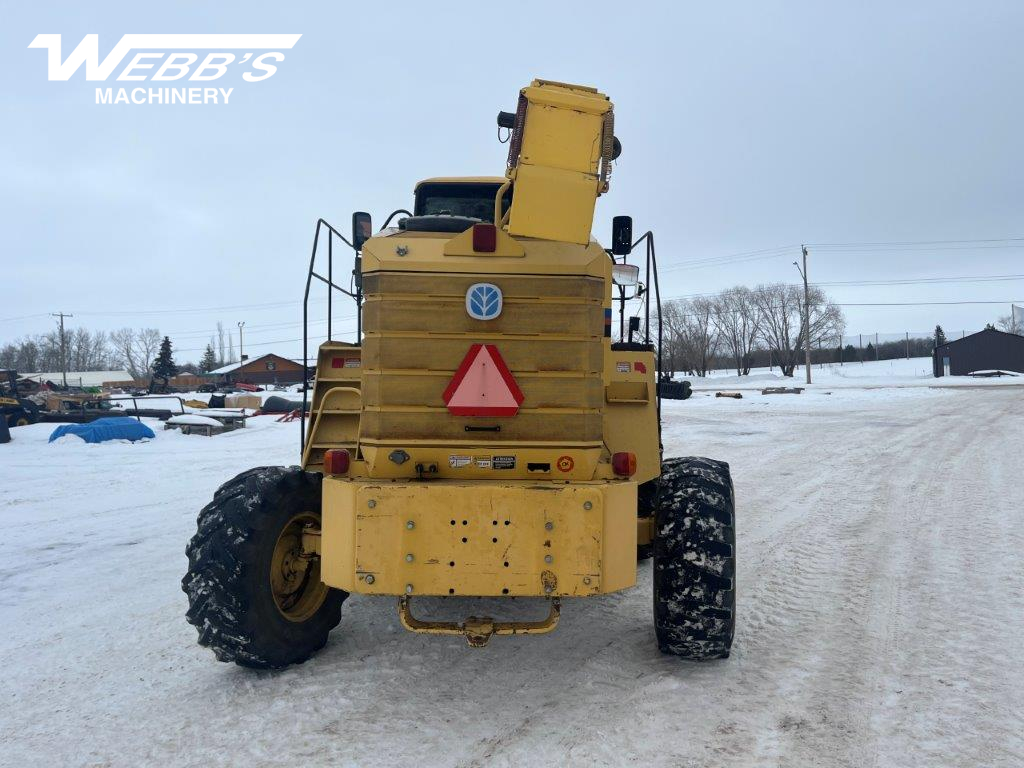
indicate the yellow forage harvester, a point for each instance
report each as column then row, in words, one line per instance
column 490, row 434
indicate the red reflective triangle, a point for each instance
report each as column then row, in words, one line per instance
column 483, row 385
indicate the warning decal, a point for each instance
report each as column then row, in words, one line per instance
column 483, row 385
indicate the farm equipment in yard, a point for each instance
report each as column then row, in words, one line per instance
column 487, row 437
column 16, row 410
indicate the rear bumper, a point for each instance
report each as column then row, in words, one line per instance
column 480, row 539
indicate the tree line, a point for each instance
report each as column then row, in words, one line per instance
column 744, row 327
column 131, row 349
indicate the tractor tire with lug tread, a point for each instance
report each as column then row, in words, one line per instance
column 254, row 597
column 695, row 559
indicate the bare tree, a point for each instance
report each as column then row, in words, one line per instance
column 672, row 322
column 738, row 320
column 782, row 331
column 692, row 337
column 1011, row 324
column 136, row 349
column 220, row 345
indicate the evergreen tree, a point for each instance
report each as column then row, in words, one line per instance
column 163, row 365
column 989, row 327
column 940, row 336
column 209, row 361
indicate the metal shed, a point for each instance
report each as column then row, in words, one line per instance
column 988, row 350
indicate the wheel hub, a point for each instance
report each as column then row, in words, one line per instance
column 295, row 574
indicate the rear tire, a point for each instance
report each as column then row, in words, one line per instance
column 695, row 559
column 253, row 597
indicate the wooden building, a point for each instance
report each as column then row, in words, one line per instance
column 266, row 369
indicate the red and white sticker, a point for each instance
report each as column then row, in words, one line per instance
column 483, row 386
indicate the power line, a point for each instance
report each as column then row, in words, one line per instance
column 269, row 305
column 923, row 280
column 888, row 243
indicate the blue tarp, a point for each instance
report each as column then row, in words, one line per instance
column 111, row 428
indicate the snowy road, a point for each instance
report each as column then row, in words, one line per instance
column 881, row 613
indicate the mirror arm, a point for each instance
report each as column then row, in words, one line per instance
column 393, row 214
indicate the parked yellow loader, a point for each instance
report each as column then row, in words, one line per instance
column 486, row 437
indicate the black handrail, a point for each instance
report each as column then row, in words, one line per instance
column 652, row 271
column 331, row 287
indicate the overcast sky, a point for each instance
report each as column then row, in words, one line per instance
column 748, row 128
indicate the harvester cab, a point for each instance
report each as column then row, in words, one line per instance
column 487, row 435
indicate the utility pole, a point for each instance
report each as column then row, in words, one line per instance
column 63, row 346
column 241, row 349
column 807, row 314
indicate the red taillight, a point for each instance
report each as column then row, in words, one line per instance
column 485, row 238
column 336, row 461
column 624, row 464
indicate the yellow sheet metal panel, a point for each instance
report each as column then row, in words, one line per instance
column 561, row 138
column 540, row 424
column 541, row 390
column 393, row 313
column 553, row 204
column 504, row 247
column 338, row 534
column 631, row 411
column 481, row 539
column 618, row 544
column 550, row 335
column 530, row 282
column 556, row 173
column 411, row 252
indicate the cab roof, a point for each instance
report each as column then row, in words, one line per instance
column 463, row 180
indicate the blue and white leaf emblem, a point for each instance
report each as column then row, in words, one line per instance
column 483, row 301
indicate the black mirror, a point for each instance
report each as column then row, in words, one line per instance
column 622, row 235
column 362, row 229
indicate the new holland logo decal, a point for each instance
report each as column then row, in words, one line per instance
column 483, row 301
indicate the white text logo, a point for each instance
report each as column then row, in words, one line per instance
column 175, row 61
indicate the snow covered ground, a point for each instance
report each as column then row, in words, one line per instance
column 881, row 612
column 913, row 372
